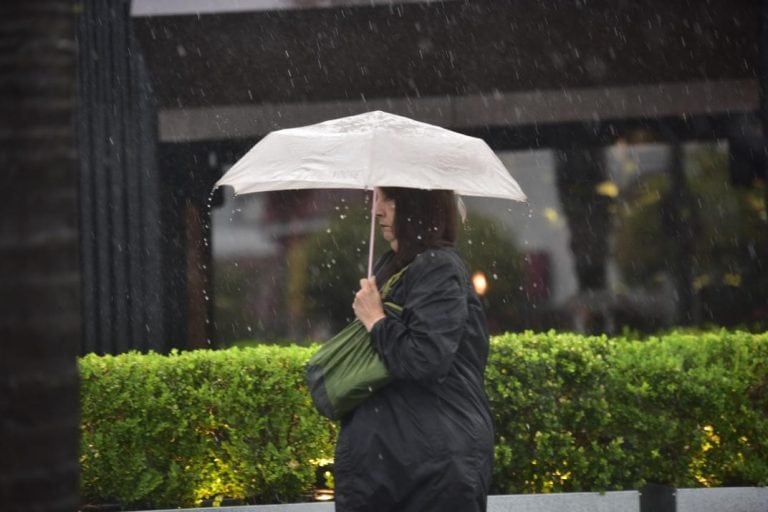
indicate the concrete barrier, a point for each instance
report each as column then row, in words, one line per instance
column 619, row 501
column 725, row 499
column 288, row 507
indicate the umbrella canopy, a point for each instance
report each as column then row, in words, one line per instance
column 375, row 149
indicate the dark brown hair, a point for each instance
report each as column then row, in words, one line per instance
column 424, row 219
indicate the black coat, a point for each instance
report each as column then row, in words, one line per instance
column 425, row 441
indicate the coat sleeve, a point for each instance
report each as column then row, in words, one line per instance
column 421, row 345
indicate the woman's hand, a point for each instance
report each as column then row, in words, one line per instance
column 367, row 304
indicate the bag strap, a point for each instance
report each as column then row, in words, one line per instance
column 391, row 282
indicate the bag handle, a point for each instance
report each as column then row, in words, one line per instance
column 391, row 282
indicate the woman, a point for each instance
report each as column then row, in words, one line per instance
column 425, row 441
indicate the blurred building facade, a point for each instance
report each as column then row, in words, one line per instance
column 637, row 129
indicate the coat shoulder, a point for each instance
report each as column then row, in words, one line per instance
column 439, row 260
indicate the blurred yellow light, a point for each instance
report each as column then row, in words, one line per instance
column 480, row 283
column 732, row 280
column 324, row 495
column 551, row 215
column 608, row 189
column 701, row 281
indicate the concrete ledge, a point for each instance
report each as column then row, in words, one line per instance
column 288, row 507
column 725, row 499
column 619, row 501
column 585, row 104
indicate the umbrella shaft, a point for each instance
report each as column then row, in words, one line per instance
column 373, row 233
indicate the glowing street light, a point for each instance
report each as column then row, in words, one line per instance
column 480, row 283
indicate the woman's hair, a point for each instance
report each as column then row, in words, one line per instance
column 424, row 219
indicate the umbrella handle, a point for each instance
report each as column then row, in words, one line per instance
column 373, row 232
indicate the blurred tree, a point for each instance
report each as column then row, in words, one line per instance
column 729, row 241
column 39, row 274
column 337, row 259
column 487, row 247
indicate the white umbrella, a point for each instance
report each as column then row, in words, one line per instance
column 375, row 149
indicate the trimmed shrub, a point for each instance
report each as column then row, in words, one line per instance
column 580, row 413
column 548, row 394
column 199, row 427
column 572, row 413
column 692, row 409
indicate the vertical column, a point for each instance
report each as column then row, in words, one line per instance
column 39, row 269
column 681, row 225
column 120, row 221
column 763, row 77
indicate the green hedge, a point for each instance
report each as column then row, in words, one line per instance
column 572, row 413
column 196, row 427
column 580, row 414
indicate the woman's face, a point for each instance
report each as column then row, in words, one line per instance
column 385, row 214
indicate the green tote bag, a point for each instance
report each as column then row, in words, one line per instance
column 346, row 370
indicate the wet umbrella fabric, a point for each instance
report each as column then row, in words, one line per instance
column 375, row 149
